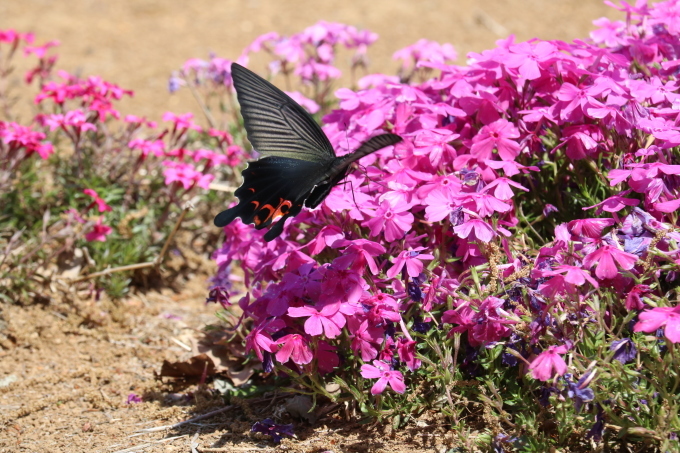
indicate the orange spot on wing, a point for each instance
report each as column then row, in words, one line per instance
column 268, row 213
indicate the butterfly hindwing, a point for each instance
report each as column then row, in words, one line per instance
column 277, row 125
column 272, row 187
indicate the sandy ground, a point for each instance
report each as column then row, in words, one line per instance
column 138, row 43
column 66, row 368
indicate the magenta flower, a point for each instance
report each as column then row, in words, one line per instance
column 101, row 204
column 498, row 135
column 667, row 317
column 475, row 230
column 329, row 320
column 155, row 147
column 439, row 204
column 259, row 339
column 186, row 175
column 564, row 280
column 294, row 346
column 382, row 372
column 181, row 122
column 548, row 363
column 527, row 58
column 365, row 339
column 99, row 232
column 359, row 254
column 407, row 353
column 392, row 221
column 412, row 259
column 606, row 258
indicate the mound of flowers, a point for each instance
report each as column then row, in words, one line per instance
column 516, row 256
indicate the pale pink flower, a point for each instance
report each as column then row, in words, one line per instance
column 667, row 317
column 385, row 375
column 548, row 363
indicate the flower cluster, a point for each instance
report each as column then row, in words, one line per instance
column 530, row 182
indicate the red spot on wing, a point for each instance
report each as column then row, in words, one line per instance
column 268, row 213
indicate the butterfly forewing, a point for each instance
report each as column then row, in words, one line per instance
column 276, row 125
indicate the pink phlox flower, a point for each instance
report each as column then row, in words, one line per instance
column 490, row 322
column 326, row 238
column 259, row 339
column 448, row 184
column 606, row 259
column 213, row 159
column 412, row 260
column 609, row 32
column 539, row 114
column 439, row 204
column 99, row 231
column 371, row 120
column 576, row 100
column 18, row 136
column 392, row 221
column 484, row 204
column 181, row 122
column 289, row 258
column 365, row 338
column 353, row 202
column 381, row 308
column 475, row 230
column 74, row 118
column 667, row 317
column 425, row 51
column 179, row 153
column 376, row 80
column 442, row 109
column 502, row 188
column 614, row 203
column 294, row 346
column 667, row 206
column 549, row 363
column 157, row 147
column 305, row 281
column 435, row 145
column 589, row 228
column 358, row 254
column 12, row 36
column 529, row 57
column 407, row 353
column 463, row 315
column 634, row 297
column 341, row 286
column 185, row 174
column 564, row 280
column 385, row 375
column 510, row 167
column 650, row 179
column 329, row 320
column 581, row 141
column 498, row 136
column 40, row 51
column 101, row 204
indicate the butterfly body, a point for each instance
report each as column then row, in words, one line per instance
column 300, row 166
